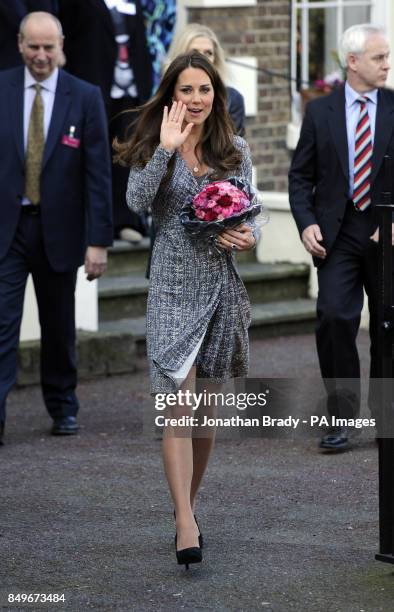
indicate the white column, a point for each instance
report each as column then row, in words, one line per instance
column 390, row 31
column 86, row 308
column 383, row 14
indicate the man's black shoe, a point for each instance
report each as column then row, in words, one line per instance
column 64, row 426
column 336, row 440
column 1, row 432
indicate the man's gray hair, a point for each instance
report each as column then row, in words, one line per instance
column 353, row 40
column 39, row 14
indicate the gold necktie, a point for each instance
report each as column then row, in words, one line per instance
column 35, row 148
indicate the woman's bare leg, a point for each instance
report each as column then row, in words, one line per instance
column 178, row 467
column 203, row 441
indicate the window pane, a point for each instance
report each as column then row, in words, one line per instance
column 322, row 43
column 353, row 15
column 323, row 38
column 318, row 28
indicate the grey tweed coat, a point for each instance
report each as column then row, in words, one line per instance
column 194, row 289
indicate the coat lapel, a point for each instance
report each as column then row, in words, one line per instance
column 16, row 106
column 383, row 131
column 337, row 123
column 60, row 109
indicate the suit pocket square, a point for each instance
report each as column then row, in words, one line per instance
column 70, row 141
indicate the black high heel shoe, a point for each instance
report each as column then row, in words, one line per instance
column 187, row 556
column 200, row 538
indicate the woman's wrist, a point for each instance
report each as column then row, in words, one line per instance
column 167, row 149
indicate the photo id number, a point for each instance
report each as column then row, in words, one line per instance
column 36, row 597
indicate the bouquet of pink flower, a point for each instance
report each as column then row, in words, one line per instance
column 219, row 206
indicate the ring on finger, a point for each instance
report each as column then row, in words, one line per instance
column 234, row 247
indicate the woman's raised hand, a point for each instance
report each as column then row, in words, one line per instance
column 171, row 135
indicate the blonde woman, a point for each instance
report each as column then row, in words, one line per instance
column 199, row 38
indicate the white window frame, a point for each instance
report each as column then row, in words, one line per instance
column 304, row 7
column 382, row 13
column 218, row 3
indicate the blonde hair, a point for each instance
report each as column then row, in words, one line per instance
column 182, row 42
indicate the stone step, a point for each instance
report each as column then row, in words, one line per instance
column 123, row 297
column 273, row 282
column 283, row 318
column 119, row 346
column 246, row 256
column 268, row 320
column 99, row 354
column 126, row 258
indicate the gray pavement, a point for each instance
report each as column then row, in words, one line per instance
column 285, row 527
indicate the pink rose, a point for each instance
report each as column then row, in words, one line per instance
column 211, row 203
column 210, row 189
column 210, row 215
column 225, row 200
column 198, row 201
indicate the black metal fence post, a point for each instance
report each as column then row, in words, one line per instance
column 386, row 327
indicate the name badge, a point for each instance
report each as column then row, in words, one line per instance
column 70, row 141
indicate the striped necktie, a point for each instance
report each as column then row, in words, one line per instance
column 35, row 148
column 362, row 158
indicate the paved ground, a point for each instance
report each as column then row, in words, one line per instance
column 285, row 527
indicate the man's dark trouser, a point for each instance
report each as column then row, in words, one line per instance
column 55, row 299
column 351, row 266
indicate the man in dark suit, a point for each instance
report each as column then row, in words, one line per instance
column 56, row 207
column 335, row 180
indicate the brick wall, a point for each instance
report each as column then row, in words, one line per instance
column 262, row 31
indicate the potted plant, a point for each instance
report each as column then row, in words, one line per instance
column 321, row 87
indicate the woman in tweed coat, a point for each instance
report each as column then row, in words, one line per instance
column 198, row 309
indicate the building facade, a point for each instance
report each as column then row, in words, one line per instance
column 277, row 50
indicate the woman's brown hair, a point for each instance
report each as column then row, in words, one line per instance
column 218, row 150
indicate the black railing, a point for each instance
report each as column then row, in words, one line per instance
column 385, row 391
